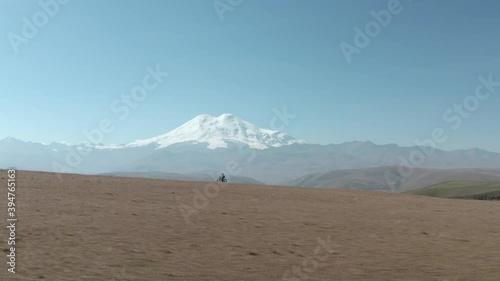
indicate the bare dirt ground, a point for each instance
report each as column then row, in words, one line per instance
column 105, row 228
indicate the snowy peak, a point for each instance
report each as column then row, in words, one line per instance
column 219, row 132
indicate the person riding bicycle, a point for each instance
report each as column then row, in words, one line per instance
column 223, row 177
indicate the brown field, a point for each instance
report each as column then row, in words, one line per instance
column 105, row 228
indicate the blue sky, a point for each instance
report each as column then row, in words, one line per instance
column 262, row 55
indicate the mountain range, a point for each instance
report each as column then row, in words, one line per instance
column 209, row 145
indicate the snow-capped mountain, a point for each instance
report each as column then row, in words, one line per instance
column 219, row 132
column 209, row 145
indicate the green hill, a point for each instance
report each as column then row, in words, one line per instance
column 462, row 190
column 390, row 178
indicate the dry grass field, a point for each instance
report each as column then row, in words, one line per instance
column 110, row 228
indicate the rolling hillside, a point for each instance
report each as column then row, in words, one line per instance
column 117, row 228
column 389, row 178
column 462, row 189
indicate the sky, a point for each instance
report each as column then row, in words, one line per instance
column 343, row 70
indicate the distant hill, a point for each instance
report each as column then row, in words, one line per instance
column 183, row 177
column 461, row 189
column 388, row 178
